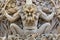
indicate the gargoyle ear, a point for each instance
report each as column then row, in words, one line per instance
column 28, row 2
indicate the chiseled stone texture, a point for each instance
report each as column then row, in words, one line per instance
column 29, row 19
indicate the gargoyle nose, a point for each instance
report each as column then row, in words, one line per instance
column 29, row 15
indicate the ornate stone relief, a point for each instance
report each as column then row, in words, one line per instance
column 29, row 20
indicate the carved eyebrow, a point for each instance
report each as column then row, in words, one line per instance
column 26, row 9
column 32, row 9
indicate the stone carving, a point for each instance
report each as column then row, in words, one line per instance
column 29, row 19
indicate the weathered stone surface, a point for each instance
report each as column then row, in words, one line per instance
column 29, row 19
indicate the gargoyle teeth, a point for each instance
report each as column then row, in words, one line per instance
column 28, row 2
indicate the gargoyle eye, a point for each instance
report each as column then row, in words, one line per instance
column 0, row 13
column 31, row 11
column 23, row 14
column 27, row 12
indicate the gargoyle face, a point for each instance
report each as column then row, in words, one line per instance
column 30, row 14
column 58, row 11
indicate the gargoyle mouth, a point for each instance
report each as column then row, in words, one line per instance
column 29, row 22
